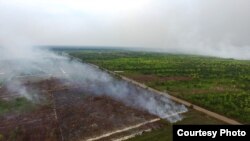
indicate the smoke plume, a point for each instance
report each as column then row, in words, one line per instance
column 33, row 62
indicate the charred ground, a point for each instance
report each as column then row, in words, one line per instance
column 66, row 113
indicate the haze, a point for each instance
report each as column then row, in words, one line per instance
column 212, row 27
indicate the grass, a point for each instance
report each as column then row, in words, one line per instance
column 1, row 81
column 16, row 105
column 165, row 133
column 220, row 85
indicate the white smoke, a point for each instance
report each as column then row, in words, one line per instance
column 43, row 63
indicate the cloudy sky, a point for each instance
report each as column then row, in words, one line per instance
column 207, row 27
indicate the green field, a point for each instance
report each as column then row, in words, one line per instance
column 165, row 134
column 220, row 85
column 16, row 105
column 1, row 81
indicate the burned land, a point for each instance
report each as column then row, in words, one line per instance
column 67, row 113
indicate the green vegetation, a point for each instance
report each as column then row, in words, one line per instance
column 165, row 133
column 1, row 137
column 221, row 85
column 1, row 82
column 16, row 105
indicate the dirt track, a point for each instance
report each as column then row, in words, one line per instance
column 124, row 129
column 186, row 103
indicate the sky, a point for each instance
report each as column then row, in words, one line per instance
column 204, row 27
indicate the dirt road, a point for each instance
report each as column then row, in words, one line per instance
column 178, row 100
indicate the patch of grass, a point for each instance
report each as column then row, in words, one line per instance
column 15, row 105
column 165, row 133
column 1, row 82
column 1, row 137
